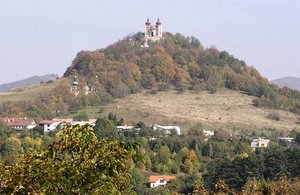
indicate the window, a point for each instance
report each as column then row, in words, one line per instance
column 162, row 181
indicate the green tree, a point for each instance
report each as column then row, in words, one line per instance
column 76, row 163
column 105, row 128
column 11, row 149
column 164, row 154
column 137, row 181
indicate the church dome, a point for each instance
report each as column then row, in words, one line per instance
column 158, row 22
column 148, row 22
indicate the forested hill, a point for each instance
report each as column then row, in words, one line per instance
column 176, row 61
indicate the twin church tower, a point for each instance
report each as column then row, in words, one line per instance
column 152, row 32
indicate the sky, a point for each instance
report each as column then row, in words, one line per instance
column 40, row 37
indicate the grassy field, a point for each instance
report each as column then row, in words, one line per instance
column 28, row 93
column 224, row 110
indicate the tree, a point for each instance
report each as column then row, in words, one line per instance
column 164, row 154
column 77, row 163
column 105, row 128
column 11, row 149
column 137, row 181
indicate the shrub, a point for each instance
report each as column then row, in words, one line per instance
column 163, row 87
column 274, row 116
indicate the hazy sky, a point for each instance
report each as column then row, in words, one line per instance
column 43, row 36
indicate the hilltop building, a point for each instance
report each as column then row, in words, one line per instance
column 152, row 32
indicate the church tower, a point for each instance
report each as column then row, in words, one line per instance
column 153, row 32
column 158, row 27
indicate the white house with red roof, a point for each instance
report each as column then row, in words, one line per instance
column 159, row 180
column 49, row 125
column 19, row 123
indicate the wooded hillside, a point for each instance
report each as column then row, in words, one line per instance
column 176, row 61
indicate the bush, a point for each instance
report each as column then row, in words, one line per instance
column 153, row 92
column 274, row 116
column 163, row 87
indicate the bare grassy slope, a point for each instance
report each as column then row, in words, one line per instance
column 29, row 93
column 225, row 109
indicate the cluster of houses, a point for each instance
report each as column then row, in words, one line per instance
column 164, row 130
column 50, row 125
column 47, row 125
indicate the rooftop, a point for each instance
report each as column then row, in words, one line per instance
column 154, row 178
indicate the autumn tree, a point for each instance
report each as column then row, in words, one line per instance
column 76, row 163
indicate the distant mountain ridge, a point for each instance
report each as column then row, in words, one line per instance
column 290, row 82
column 27, row 82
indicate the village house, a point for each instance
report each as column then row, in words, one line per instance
column 49, row 125
column 124, row 128
column 72, row 122
column 260, row 143
column 159, row 180
column 19, row 123
column 287, row 139
column 167, row 130
column 91, row 122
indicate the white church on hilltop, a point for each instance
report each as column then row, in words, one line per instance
column 152, row 32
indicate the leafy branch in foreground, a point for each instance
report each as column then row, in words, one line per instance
column 77, row 162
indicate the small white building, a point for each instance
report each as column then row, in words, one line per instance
column 167, row 130
column 125, row 128
column 82, row 123
column 287, row 139
column 49, row 125
column 208, row 133
column 159, row 180
column 260, row 143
